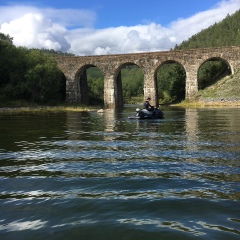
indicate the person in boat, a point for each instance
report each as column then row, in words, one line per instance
column 147, row 105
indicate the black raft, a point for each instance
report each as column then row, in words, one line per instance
column 156, row 113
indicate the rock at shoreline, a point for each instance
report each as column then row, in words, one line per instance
column 100, row 111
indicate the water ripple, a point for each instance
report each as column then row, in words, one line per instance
column 91, row 175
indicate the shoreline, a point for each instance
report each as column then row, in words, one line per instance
column 202, row 104
column 46, row 109
column 194, row 104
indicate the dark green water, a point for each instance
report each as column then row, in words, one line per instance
column 103, row 176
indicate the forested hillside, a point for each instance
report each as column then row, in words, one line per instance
column 222, row 34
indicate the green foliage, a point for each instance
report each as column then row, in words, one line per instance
column 12, row 70
column 222, row 34
column 52, row 52
column 41, row 80
column 171, row 82
column 5, row 39
column 210, row 72
column 95, row 85
column 132, row 82
column 28, row 74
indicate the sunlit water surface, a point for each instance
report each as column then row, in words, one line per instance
column 74, row 175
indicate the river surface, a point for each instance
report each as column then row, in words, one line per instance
column 85, row 175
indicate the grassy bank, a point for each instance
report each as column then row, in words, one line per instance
column 23, row 106
column 223, row 93
column 47, row 109
column 199, row 104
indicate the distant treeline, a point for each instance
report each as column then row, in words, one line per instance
column 52, row 52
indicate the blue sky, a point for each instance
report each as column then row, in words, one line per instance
column 106, row 26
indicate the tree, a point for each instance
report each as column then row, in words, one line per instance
column 210, row 72
column 171, row 82
column 28, row 74
column 132, row 81
column 43, row 80
column 5, row 39
column 95, row 85
column 12, row 69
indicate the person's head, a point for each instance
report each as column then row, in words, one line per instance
column 148, row 99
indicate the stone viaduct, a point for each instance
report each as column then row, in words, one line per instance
column 74, row 69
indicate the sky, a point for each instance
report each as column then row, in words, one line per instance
column 96, row 27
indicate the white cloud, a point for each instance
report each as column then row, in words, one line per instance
column 42, row 28
column 119, row 40
column 71, row 30
column 34, row 31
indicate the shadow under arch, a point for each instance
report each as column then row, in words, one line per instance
column 63, row 82
column 211, row 70
column 121, row 82
column 83, row 88
column 170, row 80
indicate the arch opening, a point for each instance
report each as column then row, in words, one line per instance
column 170, row 79
column 211, row 71
column 90, row 85
column 129, row 84
column 62, row 91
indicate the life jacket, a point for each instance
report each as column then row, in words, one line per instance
column 146, row 105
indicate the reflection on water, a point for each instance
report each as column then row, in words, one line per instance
column 110, row 120
column 191, row 121
column 85, row 175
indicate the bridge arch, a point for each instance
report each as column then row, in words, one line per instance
column 118, row 81
column 81, row 82
column 167, row 69
column 227, row 62
column 211, row 72
column 190, row 59
column 158, row 66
